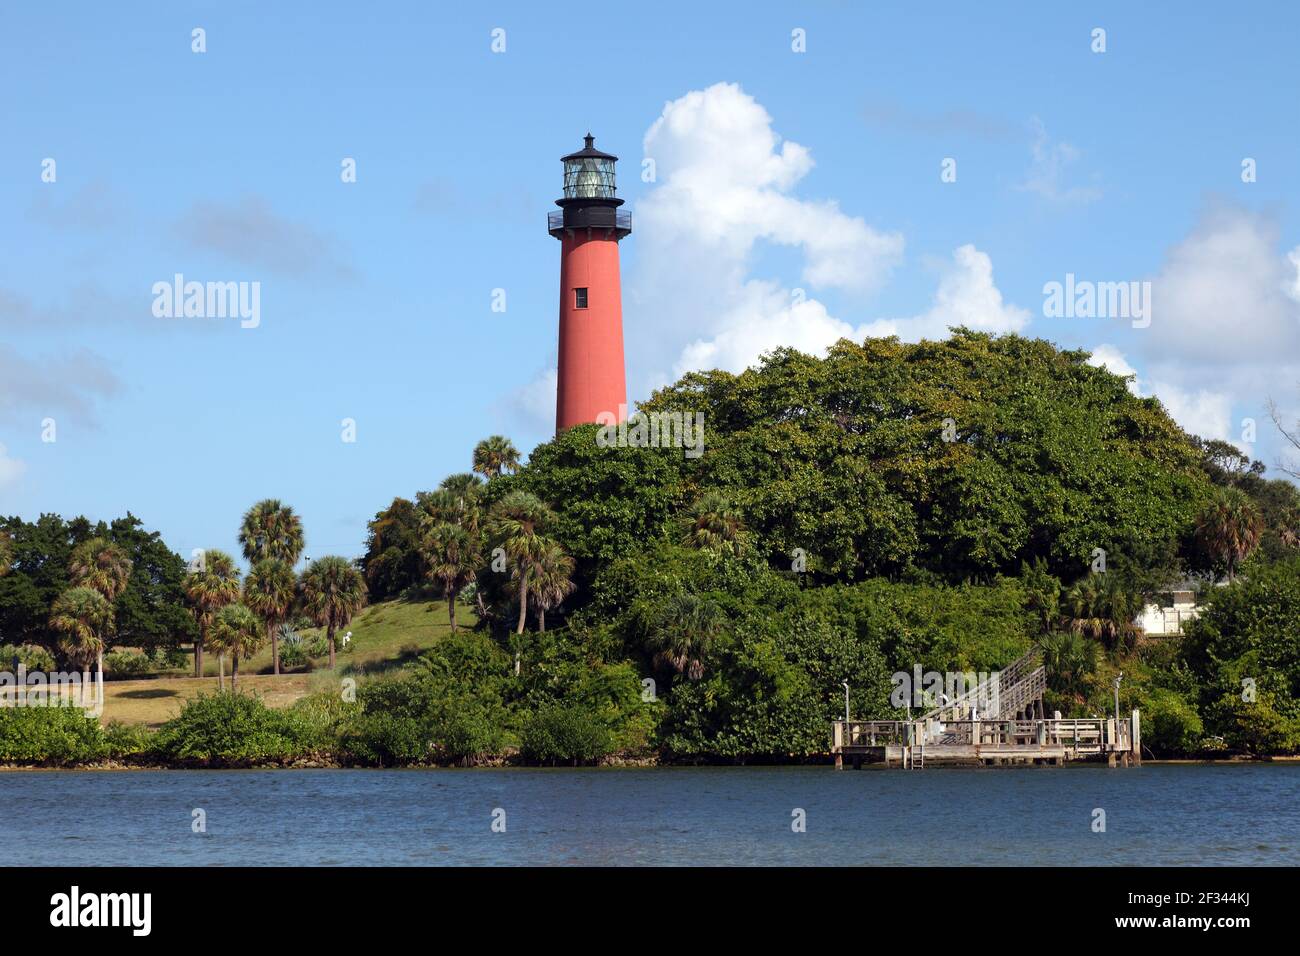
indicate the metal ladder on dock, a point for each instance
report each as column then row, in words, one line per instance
column 916, row 754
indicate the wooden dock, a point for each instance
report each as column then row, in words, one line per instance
column 915, row 744
column 1000, row 722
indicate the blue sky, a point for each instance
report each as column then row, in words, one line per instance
column 376, row 295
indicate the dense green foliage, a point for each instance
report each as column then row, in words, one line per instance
column 150, row 612
column 945, row 506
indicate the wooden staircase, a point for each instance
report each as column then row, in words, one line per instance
column 1005, row 693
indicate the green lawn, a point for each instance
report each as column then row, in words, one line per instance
column 385, row 636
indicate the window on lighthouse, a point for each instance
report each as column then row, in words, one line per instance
column 579, row 298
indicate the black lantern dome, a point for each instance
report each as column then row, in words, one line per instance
column 589, row 200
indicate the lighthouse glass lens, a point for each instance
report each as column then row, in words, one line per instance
column 589, row 178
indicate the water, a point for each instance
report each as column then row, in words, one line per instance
column 1156, row 815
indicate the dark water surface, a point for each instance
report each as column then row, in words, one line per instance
column 1155, row 815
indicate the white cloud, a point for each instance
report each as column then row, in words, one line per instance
column 725, row 179
column 1049, row 169
column 1226, row 294
column 72, row 383
column 11, row 469
column 1201, row 411
column 725, row 182
column 1225, row 326
column 766, row 316
column 535, row 402
column 966, row 296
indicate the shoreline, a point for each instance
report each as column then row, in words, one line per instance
column 110, row 766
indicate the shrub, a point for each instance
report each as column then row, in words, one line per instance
column 1170, row 724
column 127, row 664
column 50, row 736
column 468, row 730
column 566, row 732
column 233, row 729
column 31, row 657
column 128, row 740
column 387, row 739
column 293, row 654
column 174, row 658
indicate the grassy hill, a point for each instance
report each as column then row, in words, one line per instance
column 385, row 636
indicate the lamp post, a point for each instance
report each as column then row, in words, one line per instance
column 1119, row 678
column 845, row 684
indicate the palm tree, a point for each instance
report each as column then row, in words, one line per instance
column 713, row 524
column 215, row 645
column 681, row 631
column 465, row 485
column 1070, row 659
column 453, row 557
column 332, row 591
column 84, row 617
column 269, row 593
column 517, row 523
column 551, row 580
column 102, row 565
column 1101, row 607
column 494, row 456
column 1288, row 530
column 6, row 553
column 450, row 506
column 209, row 589
column 237, row 631
column 1229, row 528
column 271, row 530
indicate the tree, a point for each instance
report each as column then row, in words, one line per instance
column 1070, row 660
column 210, row 587
column 551, row 579
column 392, row 561
column 1289, row 528
column 6, row 553
column 1102, row 607
column 271, row 530
column 333, row 590
column 100, row 564
column 682, row 631
column 713, row 524
column 150, row 610
column 1229, row 528
column 237, row 631
column 517, row 523
column 269, row 593
column 495, row 456
column 1292, row 436
column 453, row 558
column 84, row 618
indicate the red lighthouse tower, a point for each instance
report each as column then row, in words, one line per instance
column 589, row 226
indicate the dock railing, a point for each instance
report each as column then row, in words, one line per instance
column 1083, row 735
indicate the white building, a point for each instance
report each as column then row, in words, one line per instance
column 1166, row 620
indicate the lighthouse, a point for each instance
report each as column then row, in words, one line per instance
column 591, row 382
